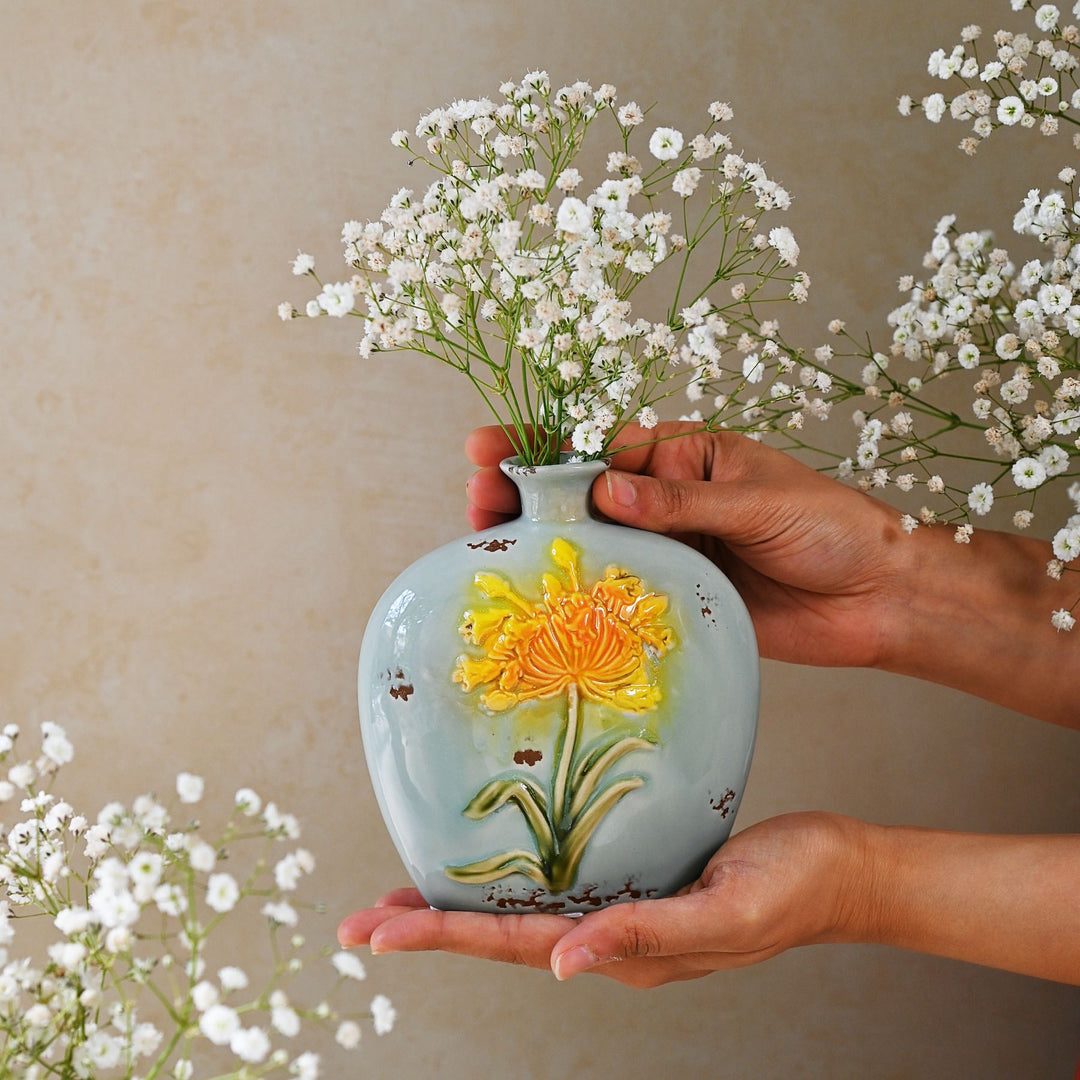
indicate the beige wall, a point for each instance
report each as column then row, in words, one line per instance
column 200, row 503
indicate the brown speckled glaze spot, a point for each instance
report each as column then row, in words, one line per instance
column 401, row 689
column 590, row 895
column 723, row 804
column 491, row 545
column 706, row 605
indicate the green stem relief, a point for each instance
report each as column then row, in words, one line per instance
column 562, row 825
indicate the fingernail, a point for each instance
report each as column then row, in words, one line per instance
column 620, row 488
column 574, row 961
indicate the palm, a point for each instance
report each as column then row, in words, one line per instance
column 770, row 888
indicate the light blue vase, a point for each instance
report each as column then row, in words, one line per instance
column 558, row 713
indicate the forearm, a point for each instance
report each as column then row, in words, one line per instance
column 976, row 617
column 1010, row 902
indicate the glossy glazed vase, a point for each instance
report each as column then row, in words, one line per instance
column 558, row 713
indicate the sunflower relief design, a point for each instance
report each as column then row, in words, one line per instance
column 574, row 646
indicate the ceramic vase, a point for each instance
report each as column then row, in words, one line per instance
column 558, row 713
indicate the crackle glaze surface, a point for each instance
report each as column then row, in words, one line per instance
column 558, row 713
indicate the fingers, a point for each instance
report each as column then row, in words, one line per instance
column 489, row 445
column 640, row 945
column 512, row 939
column 357, row 928
column 527, row 940
column 492, row 492
column 731, row 511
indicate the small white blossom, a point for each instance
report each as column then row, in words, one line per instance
column 665, row 143
column 1010, row 110
column 204, row 995
column 349, row 965
column 337, row 299
column 55, row 744
column 250, row 1044
column 189, row 787
column 348, row 1034
column 934, row 107
column 573, row 216
column 306, row 1066
column 202, row 856
column 222, row 892
column 285, row 1020
column 1067, row 543
column 782, row 239
column 383, row 1014
column 1028, row 473
column 232, row 978
column 219, row 1023
column 981, row 498
column 248, row 802
column 1046, row 18
column 280, row 912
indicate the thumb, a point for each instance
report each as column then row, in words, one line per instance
column 717, row 508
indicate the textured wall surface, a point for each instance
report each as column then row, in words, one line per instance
column 199, row 504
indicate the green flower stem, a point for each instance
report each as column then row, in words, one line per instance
column 564, row 756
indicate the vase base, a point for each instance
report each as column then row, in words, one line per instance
column 505, row 900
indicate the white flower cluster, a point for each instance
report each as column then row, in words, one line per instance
column 1025, row 81
column 1010, row 326
column 517, row 271
column 135, row 896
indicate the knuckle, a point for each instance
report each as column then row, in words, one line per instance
column 510, row 950
column 678, row 501
column 640, row 939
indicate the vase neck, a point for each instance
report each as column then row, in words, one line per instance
column 554, row 492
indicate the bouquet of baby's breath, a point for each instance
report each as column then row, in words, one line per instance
column 1008, row 326
column 130, row 984
column 518, row 269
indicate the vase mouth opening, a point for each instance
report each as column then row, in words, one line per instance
column 515, row 466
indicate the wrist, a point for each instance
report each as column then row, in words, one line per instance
column 976, row 617
column 1001, row 901
column 855, row 917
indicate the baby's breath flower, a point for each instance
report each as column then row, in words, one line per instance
column 85, row 995
column 446, row 269
column 981, row 498
column 349, row 965
column 383, row 1014
column 348, row 1034
column 189, row 787
column 1028, row 473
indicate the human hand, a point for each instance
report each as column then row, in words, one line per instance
column 781, row 883
column 815, row 562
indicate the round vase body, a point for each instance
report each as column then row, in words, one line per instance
column 558, row 713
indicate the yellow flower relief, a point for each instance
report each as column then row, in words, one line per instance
column 599, row 645
column 599, row 641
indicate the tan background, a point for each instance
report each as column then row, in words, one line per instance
column 200, row 503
